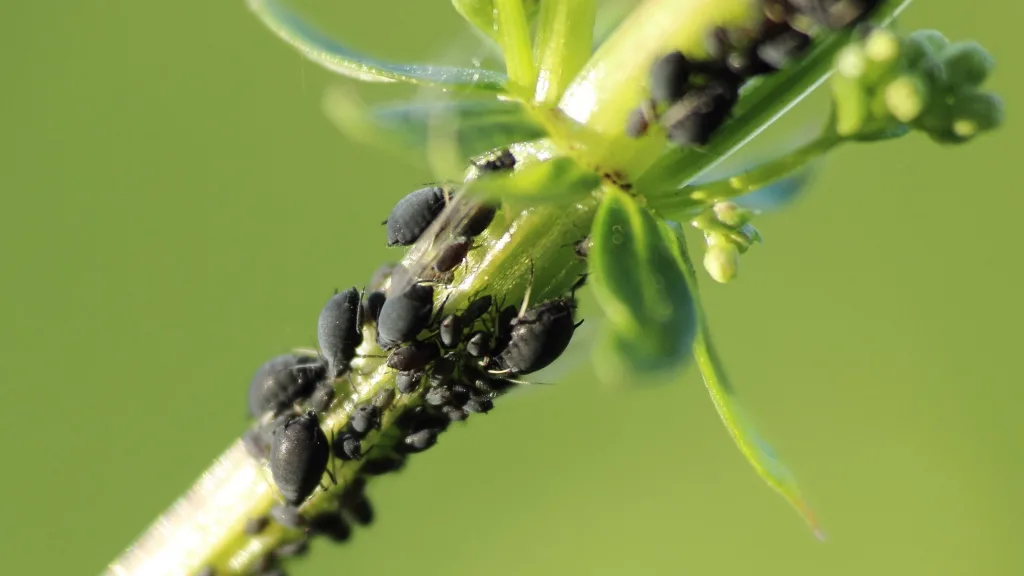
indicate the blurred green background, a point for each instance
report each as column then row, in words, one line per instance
column 176, row 209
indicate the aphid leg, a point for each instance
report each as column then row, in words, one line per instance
column 526, row 295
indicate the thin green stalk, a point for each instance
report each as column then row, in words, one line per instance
column 514, row 36
column 690, row 200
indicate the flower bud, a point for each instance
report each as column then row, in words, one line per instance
column 906, row 97
column 721, row 260
column 977, row 112
column 923, row 44
column 967, row 64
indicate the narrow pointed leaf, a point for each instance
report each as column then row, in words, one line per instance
column 757, row 452
column 469, row 127
column 514, row 37
column 319, row 48
column 638, row 283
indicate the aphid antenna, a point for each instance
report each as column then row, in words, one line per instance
column 526, row 296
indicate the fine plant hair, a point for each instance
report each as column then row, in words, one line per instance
column 575, row 168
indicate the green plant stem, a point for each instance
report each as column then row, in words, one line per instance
column 690, row 200
column 564, row 35
column 205, row 527
column 514, row 36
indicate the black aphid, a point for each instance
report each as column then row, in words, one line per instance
column 282, row 381
column 476, row 309
column 438, row 396
column 479, row 344
column 418, row 441
column 670, row 78
column 348, row 447
column 638, row 121
column 479, row 219
column 479, row 405
column 421, row 418
column 836, row 14
column 443, row 369
column 413, row 356
column 291, row 549
column 331, row 525
column 451, row 331
column 384, row 397
column 405, row 315
column 413, row 214
column 408, row 382
column 322, row 397
column 694, row 119
column 496, row 161
column 383, row 465
column 460, row 395
column 452, row 254
column 287, row 516
column 364, row 418
column 338, row 330
column 256, row 524
column 358, row 508
column 454, row 413
column 492, row 385
column 298, row 457
column 779, row 51
column 539, row 336
column 373, row 303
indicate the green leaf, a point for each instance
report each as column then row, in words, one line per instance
column 418, row 130
column 763, row 101
column 639, row 284
column 564, row 35
column 540, row 176
column 757, row 452
column 328, row 53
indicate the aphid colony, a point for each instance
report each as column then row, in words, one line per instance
column 465, row 357
column 690, row 99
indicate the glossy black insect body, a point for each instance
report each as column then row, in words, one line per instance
column 408, row 382
column 670, row 78
column 496, row 161
column 348, row 447
column 339, row 331
column 282, row 381
column 373, row 303
column 298, row 457
column 479, row 344
column 451, row 331
column 331, row 525
column 383, row 465
column 779, row 51
column 419, row 441
column 364, row 418
column 503, row 335
column 478, row 220
column 479, row 405
column 638, row 121
column 694, row 119
column 322, row 397
column 476, row 309
column 539, row 336
column 454, row 413
column 413, row 356
column 439, row 396
column 413, row 214
column 405, row 315
column 452, row 254
column 358, row 508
